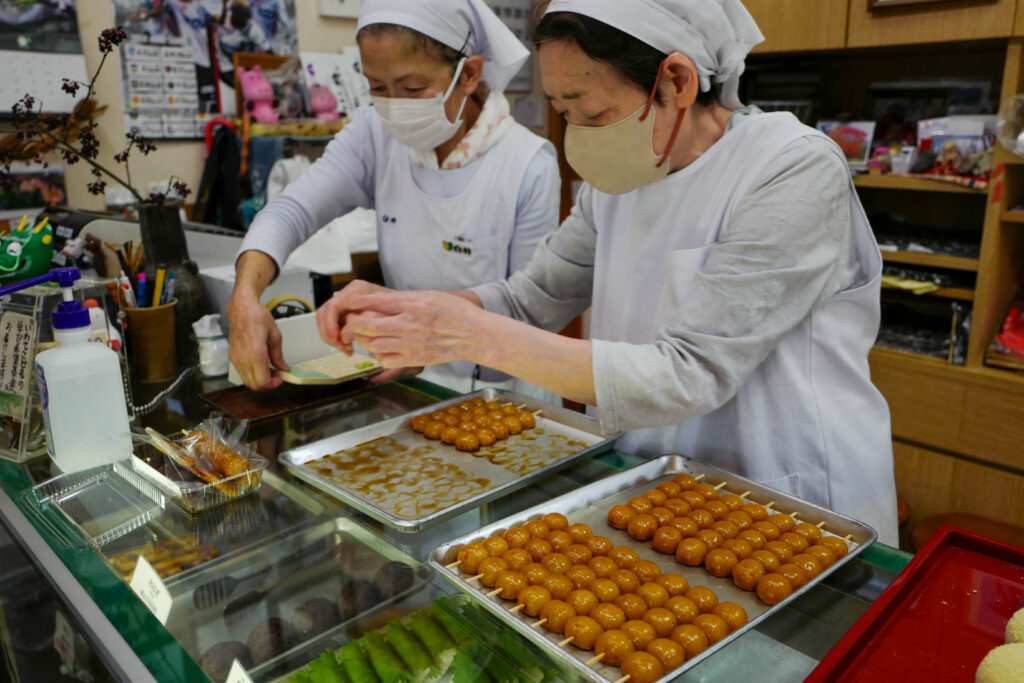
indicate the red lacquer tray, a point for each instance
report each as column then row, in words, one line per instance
column 940, row 616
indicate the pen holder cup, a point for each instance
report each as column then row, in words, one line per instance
column 151, row 342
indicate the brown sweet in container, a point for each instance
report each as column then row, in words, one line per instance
column 720, row 562
column 770, row 531
column 514, row 424
column 740, row 519
column 270, row 638
column 642, row 667
column 556, row 563
column 646, row 570
column 516, row 537
column 683, row 607
column 732, row 500
column 608, row 616
column 808, row 563
column 470, row 556
column 583, row 630
column 218, row 660
column 510, row 582
column 357, row 596
column 661, row 619
column 781, row 549
column 486, row 436
column 666, row 539
column 655, row 496
column 678, row 506
column 693, row 639
column 717, row 508
column 605, row 589
column 580, row 532
column 624, row 556
column 774, row 588
column 625, row 579
column 559, row 585
column 581, row 575
column 449, row 434
column 703, row 597
column 707, row 490
column 673, row 583
column 713, row 625
column 691, row 552
column 632, row 605
column 639, row 504
column 499, row 428
column 798, row 542
column 740, row 548
column 654, row 594
column 733, row 614
column 419, row 423
column 703, row 518
column 602, row 566
column 538, row 548
column 769, row 559
column 517, row 558
column 579, row 553
column 662, row 514
column 808, row 531
column 533, row 599
column 490, row 568
column 619, row 516
column 685, row 481
column 670, row 488
column 670, row 653
column 535, row 573
column 642, row 527
column 797, row 575
column 747, row 573
column 640, row 632
column 693, row 499
column 613, row 645
column 823, row 555
column 433, row 429
column 527, row 420
column 784, row 523
column 836, row 545
column 725, row 528
column 757, row 512
column 754, row 537
column 559, row 540
column 556, row 521
column 712, row 539
column 496, row 546
column 599, row 545
column 537, row 528
column 556, row 613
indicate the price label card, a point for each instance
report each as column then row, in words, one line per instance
column 64, row 640
column 150, row 588
column 17, row 351
column 237, row 674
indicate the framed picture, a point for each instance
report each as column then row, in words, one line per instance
column 854, row 138
column 339, row 8
column 884, row 4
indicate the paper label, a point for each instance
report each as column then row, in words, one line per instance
column 150, row 588
column 237, row 674
column 17, row 351
column 64, row 640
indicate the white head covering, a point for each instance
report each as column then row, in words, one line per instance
column 716, row 34
column 466, row 25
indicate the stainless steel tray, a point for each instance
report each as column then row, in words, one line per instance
column 559, row 437
column 590, row 505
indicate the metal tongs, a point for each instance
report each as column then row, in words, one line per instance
column 199, row 466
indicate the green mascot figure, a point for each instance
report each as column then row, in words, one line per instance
column 26, row 252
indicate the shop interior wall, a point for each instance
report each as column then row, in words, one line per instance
column 182, row 158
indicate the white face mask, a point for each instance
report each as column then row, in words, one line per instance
column 421, row 123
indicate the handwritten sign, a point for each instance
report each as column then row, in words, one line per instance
column 17, row 353
column 150, row 588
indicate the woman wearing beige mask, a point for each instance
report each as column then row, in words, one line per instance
column 732, row 274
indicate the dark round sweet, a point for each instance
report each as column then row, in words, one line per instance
column 315, row 616
column 394, row 577
column 359, row 595
column 270, row 638
column 217, row 661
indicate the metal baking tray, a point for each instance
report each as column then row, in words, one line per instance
column 590, row 505
column 314, row 563
column 938, row 618
column 560, row 437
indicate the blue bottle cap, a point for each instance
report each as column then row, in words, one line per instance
column 70, row 315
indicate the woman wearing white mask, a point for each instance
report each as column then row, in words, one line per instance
column 733, row 276
column 463, row 193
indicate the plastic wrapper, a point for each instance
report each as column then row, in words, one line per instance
column 1010, row 125
column 205, row 466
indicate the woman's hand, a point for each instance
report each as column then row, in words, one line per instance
column 330, row 318
column 254, row 339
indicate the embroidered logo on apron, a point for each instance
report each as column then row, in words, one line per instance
column 457, row 247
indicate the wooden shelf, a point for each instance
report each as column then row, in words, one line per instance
column 959, row 293
column 906, row 356
column 934, row 260
column 898, row 182
column 1012, row 216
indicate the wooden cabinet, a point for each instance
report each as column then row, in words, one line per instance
column 929, row 22
column 1018, row 25
column 792, row 25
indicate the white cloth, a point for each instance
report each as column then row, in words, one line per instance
column 733, row 307
column 465, row 25
column 493, row 124
column 716, row 34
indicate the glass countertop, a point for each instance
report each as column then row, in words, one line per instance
column 287, row 540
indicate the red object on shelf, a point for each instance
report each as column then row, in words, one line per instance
column 938, row 619
column 1011, row 337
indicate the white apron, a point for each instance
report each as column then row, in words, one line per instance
column 808, row 421
column 455, row 242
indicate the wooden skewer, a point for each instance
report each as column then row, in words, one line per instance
column 718, row 486
column 847, row 537
column 537, row 413
column 493, row 592
column 520, row 406
column 820, row 525
column 453, row 565
column 515, row 609
column 594, row 660
column 623, row 679
column 794, row 514
column 540, row 623
column 744, row 494
column 566, row 641
column 769, row 504
column 699, row 477
column 474, row 578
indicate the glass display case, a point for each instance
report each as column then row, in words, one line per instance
column 276, row 578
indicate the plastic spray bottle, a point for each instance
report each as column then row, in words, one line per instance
column 80, row 385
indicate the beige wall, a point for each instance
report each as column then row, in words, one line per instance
column 183, row 159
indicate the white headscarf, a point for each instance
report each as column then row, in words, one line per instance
column 465, row 25
column 716, row 34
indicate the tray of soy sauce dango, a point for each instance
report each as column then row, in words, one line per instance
column 399, row 472
column 571, row 575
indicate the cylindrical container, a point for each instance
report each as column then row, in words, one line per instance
column 82, row 393
column 152, row 342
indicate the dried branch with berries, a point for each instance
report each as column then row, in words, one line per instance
column 73, row 135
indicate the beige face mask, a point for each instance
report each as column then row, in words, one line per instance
column 619, row 158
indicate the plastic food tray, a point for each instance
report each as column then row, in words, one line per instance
column 555, row 428
column 590, row 505
column 938, row 619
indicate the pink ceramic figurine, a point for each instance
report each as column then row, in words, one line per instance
column 258, row 95
column 325, row 105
